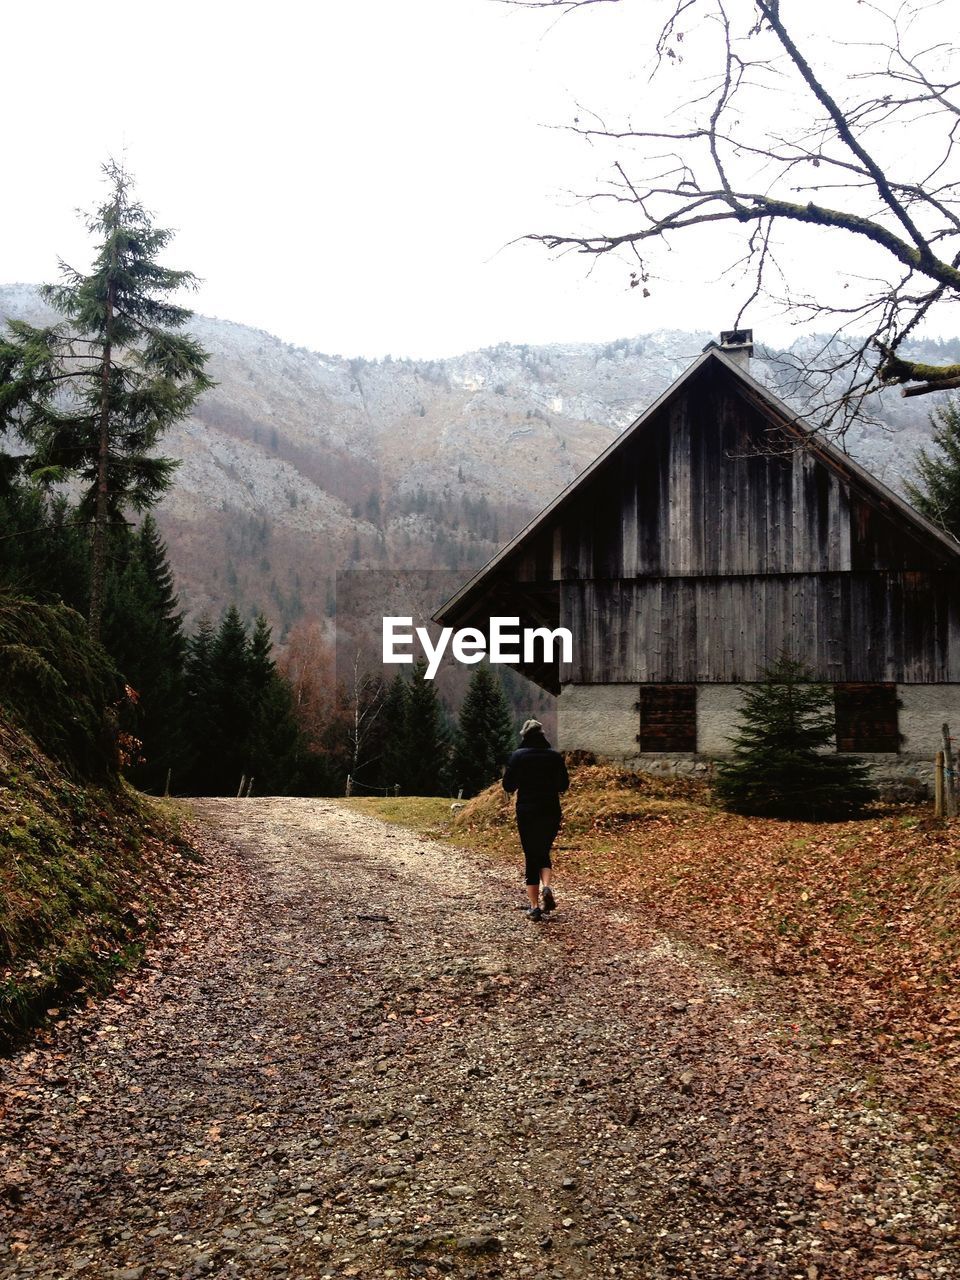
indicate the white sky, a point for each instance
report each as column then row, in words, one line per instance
column 346, row 174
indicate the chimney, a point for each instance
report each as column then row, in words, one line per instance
column 738, row 345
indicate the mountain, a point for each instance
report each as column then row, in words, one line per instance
column 299, row 463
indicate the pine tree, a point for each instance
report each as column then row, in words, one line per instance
column 428, row 736
column 262, row 666
column 240, row 713
column 43, row 547
column 279, row 754
column 60, row 685
column 277, row 747
column 936, row 490
column 198, row 682
column 781, row 766
column 93, row 396
column 395, row 753
column 143, row 632
column 485, row 735
column 64, row 561
column 232, row 705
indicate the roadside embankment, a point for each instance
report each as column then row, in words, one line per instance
column 86, row 875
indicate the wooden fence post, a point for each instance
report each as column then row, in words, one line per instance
column 250, row 787
column 349, row 790
column 243, row 783
column 938, row 785
column 396, row 788
column 949, row 776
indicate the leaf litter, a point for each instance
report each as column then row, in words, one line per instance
column 285, row 1089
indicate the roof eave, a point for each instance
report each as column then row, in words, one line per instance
column 473, row 583
column 843, row 461
column 836, row 457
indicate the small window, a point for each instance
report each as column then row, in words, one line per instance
column 866, row 717
column 668, row 717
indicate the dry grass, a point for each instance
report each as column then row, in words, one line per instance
column 425, row 813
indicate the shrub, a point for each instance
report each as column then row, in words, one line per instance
column 780, row 766
column 59, row 685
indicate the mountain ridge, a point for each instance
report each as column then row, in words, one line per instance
column 298, row 462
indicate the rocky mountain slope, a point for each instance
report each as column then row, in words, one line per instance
column 299, row 463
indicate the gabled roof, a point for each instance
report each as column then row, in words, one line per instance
column 769, row 404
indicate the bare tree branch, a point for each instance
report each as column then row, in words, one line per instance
column 876, row 156
column 564, row 5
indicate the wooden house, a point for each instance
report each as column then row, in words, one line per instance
column 715, row 532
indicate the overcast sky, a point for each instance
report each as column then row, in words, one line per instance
column 347, row 174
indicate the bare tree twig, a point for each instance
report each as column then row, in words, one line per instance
column 886, row 137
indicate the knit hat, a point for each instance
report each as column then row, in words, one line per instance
column 530, row 726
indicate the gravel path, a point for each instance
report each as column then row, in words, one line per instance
column 363, row 1060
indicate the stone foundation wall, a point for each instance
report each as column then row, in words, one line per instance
column 923, row 709
column 603, row 719
column 599, row 717
column 718, row 709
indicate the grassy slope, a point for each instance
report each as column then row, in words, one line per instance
column 84, row 876
column 856, row 923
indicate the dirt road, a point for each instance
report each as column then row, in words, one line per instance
column 361, row 1059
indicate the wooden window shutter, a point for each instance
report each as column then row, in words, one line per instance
column 866, row 717
column 668, row 717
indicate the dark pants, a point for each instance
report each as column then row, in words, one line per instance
column 538, row 829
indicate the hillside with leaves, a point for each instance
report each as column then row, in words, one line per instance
column 857, row 923
column 88, row 868
column 87, row 875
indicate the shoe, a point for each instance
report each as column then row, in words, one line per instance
column 534, row 913
column 549, row 901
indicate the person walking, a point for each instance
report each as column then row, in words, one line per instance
column 538, row 775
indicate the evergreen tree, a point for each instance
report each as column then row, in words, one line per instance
column 395, row 735
column 781, row 766
column 485, row 735
column 240, row 714
column 262, row 666
column 428, row 738
column 64, row 560
column 936, row 491
column 231, row 705
column 278, row 753
column 198, row 683
column 277, row 747
column 60, row 685
column 43, row 547
column 143, row 632
column 93, row 396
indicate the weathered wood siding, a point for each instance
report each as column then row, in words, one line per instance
column 692, row 494
column 702, row 549
column 846, row 626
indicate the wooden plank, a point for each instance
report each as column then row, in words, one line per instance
column 844, row 561
column 629, row 539
column 845, row 627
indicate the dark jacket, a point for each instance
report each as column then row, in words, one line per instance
column 538, row 775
